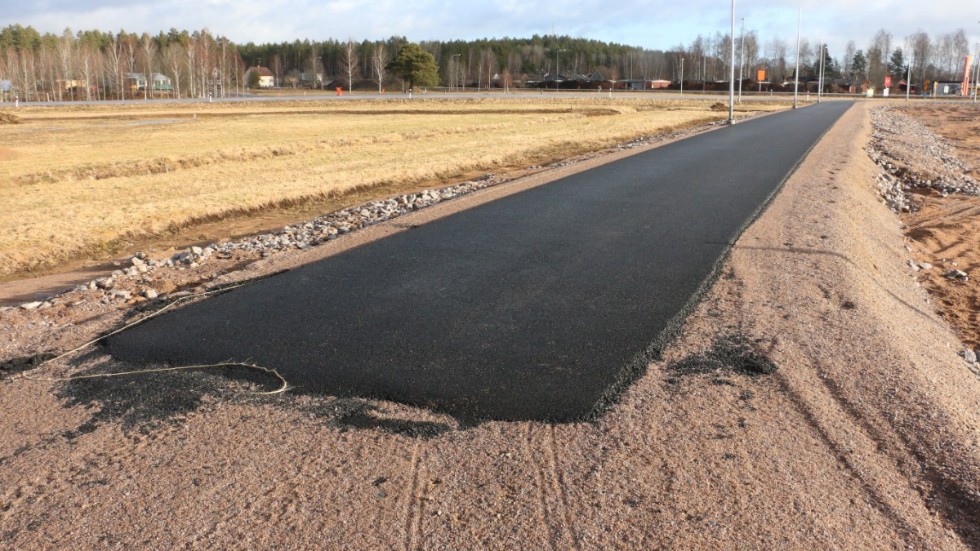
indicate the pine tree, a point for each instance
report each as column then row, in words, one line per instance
column 415, row 66
column 897, row 63
column 859, row 65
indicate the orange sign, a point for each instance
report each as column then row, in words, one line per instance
column 760, row 75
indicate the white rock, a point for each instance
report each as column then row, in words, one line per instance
column 31, row 305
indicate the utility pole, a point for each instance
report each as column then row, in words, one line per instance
column 682, row 76
column 976, row 76
column 908, row 78
column 796, row 79
column 556, row 68
column 731, row 73
column 454, row 70
column 741, row 60
column 820, row 77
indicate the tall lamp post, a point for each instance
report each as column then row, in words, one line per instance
column 908, row 79
column 823, row 56
column 976, row 76
column 731, row 73
column 741, row 60
column 556, row 68
column 796, row 79
column 454, row 70
column 682, row 75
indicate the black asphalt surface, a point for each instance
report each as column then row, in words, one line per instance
column 534, row 306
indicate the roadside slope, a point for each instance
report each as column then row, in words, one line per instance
column 821, row 283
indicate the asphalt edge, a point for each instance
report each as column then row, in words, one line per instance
column 638, row 366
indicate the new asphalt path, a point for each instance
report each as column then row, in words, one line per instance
column 539, row 305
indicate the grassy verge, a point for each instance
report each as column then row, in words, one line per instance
column 83, row 180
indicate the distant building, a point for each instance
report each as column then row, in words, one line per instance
column 266, row 78
column 948, row 89
column 70, row 84
column 313, row 80
column 137, row 82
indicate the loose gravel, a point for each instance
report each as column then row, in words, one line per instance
column 913, row 157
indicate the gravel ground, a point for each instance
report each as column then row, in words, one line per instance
column 812, row 400
column 928, row 155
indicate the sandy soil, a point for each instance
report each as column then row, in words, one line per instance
column 944, row 232
column 864, row 437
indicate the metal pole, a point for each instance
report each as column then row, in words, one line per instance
column 976, row 77
column 731, row 73
column 908, row 81
column 682, row 76
column 820, row 77
column 741, row 60
column 796, row 79
column 556, row 68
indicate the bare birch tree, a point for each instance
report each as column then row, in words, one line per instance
column 149, row 49
column 174, row 57
column 66, row 54
column 350, row 63
column 379, row 62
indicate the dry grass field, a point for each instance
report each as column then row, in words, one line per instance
column 84, row 181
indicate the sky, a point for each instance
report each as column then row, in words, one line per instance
column 652, row 24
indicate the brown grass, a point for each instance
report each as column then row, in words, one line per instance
column 79, row 180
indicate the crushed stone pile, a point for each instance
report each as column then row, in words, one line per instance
column 911, row 156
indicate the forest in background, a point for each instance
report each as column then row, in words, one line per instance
column 92, row 64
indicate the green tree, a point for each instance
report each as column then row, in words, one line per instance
column 897, row 62
column 859, row 65
column 415, row 66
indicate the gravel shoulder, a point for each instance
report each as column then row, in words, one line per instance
column 814, row 399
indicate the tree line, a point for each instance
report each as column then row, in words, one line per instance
column 105, row 65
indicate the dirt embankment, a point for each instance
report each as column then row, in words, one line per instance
column 944, row 230
column 863, row 437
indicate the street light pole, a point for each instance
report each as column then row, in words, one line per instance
column 908, row 80
column 455, row 70
column 682, row 76
column 820, row 77
column 741, row 60
column 976, row 78
column 796, row 79
column 731, row 73
column 556, row 68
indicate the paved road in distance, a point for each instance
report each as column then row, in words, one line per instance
column 529, row 307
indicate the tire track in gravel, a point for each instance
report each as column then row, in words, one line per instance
column 413, row 502
column 539, row 483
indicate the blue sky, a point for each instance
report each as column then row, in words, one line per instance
column 655, row 24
